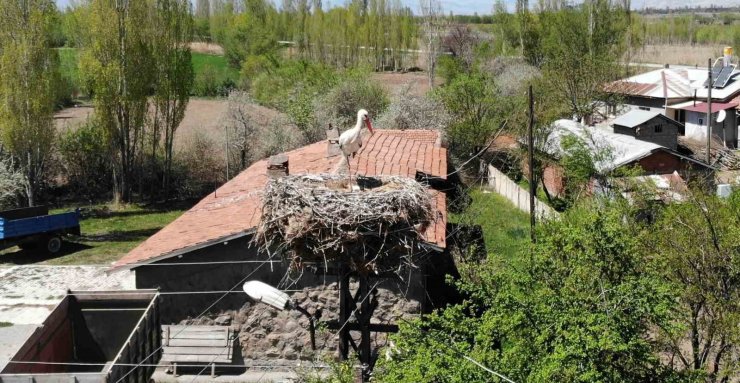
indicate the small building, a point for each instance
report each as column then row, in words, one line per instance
column 680, row 93
column 91, row 337
column 694, row 117
column 209, row 249
column 624, row 150
column 649, row 126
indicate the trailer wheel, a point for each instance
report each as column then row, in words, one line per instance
column 53, row 244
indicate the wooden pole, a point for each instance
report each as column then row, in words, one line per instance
column 532, row 183
column 710, row 85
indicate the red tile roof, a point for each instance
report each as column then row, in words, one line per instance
column 234, row 209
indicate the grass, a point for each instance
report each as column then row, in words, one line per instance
column 69, row 63
column 505, row 228
column 107, row 235
column 203, row 62
column 5, row 324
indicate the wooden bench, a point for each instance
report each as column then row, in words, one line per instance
column 207, row 345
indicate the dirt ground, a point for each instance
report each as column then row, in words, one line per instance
column 395, row 83
column 208, row 48
column 677, row 54
column 71, row 118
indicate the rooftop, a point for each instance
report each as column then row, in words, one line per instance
column 234, row 209
column 674, row 83
column 701, row 107
column 635, row 117
column 622, row 148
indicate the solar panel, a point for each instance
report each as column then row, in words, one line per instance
column 724, row 76
column 716, row 69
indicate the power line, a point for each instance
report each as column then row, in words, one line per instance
column 188, row 325
column 82, row 364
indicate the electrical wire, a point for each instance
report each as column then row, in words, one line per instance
column 80, row 364
column 186, row 326
column 226, row 292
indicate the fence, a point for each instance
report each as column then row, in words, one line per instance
column 504, row 186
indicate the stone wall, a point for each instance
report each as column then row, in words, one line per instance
column 280, row 338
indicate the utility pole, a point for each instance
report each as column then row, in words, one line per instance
column 710, row 85
column 532, row 183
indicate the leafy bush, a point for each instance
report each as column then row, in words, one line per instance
column 474, row 108
column 85, row 159
column 210, row 82
column 579, row 305
column 339, row 107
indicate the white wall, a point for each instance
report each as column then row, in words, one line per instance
column 503, row 185
column 698, row 131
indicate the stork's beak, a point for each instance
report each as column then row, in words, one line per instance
column 369, row 125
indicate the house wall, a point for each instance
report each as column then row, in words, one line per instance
column 696, row 127
column 225, row 277
column 554, row 179
column 645, row 103
column 667, row 137
column 661, row 162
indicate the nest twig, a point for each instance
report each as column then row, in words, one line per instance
column 314, row 218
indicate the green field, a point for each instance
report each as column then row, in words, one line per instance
column 203, row 64
column 505, row 228
column 218, row 64
column 107, row 235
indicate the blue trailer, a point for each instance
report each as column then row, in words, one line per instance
column 34, row 227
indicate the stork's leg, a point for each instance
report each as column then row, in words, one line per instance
column 349, row 174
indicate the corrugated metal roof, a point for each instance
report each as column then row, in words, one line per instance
column 701, row 107
column 620, row 149
column 635, row 117
column 679, row 83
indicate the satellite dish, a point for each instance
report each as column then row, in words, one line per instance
column 721, row 116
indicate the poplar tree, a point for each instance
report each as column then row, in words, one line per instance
column 28, row 78
column 119, row 65
column 174, row 75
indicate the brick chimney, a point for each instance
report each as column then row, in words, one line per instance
column 332, row 145
column 277, row 166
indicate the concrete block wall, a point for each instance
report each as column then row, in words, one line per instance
column 504, row 186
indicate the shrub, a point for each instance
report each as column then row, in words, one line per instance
column 209, row 82
column 414, row 112
column 339, row 107
column 85, row 159
column 280, row 136
column 11, row 183
column 198, row 168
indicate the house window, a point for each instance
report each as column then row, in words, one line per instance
column 644, row 108
column 701, row 121
column 658, row 128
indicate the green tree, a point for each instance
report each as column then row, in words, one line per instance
column 174, row 75
column 580, row 49
column 578, row 307
column 474, row 106
column 697, row 243
column 29, row 69
column 119, row 64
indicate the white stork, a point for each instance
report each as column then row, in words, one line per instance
column 351, row 141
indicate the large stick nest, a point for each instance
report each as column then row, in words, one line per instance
column 315, row 218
